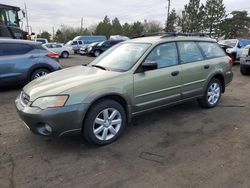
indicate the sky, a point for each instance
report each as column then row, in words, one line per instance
column 46, row 14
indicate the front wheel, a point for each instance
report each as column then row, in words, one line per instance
column 104, row 122
column 97, row 53
column 212, row 95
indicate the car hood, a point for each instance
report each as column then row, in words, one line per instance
column 60, row 81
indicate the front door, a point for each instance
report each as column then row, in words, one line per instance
column 160, row 86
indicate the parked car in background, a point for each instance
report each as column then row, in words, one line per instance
column 234, row 47
column 118, row 37
column 129, row 79
column 22, row 61
column 83, row 41
column 63, row 51
column 42, row 40
column 245, row 61
column 101, row 47
column 75, row 45
column 84, row 49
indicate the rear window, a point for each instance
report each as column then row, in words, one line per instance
column 14, row 49
column 211, row 50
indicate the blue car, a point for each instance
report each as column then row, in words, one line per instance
column 22, row 61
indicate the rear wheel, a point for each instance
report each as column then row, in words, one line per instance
column 38, row 73
column 65, row 54
column 104, row 122
column 212, row 95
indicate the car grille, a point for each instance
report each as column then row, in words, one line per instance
column 24, row 98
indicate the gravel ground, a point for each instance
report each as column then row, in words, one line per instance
column 183, row 146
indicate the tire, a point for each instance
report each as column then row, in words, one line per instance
column 97, row 53
column 212, row 94
column 99, row 131
column 38, row 73
column 243, row 70
column 65, row 54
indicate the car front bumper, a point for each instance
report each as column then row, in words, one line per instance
column 52, row 121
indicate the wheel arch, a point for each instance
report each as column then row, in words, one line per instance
column 113, row 96
column 221, row 78
column 38, row 66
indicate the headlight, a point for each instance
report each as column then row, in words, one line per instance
column 50, row 101
column 89, row 49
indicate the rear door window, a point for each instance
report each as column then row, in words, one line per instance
column 211, row 50
column 14, row 49
column 164, row 55
column 189, row 52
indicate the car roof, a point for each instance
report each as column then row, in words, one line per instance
column 160, row 39
column 19, row 41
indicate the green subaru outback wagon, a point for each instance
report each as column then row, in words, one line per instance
column 131, row 78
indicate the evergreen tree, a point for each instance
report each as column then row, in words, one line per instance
column 116, row 27
column 104, row 27
column 214, row 14
column 192, row 16
column 137, row 29
column 236, row 26
column 126, row 28
column 171, row 22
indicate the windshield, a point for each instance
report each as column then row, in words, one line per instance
column 230, row 43
column 9, row 17
column 121, row 57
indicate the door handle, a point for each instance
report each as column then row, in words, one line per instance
column 175, row 73
column 206, row 66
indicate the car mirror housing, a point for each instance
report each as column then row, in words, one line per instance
column 149, row 65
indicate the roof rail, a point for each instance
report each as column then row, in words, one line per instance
column 149, row 35
column 176, row 34
column 173, row 34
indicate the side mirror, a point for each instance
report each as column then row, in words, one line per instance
column 149, row 65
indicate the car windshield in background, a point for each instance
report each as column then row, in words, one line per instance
column 230, row 43
column 244, row 43
column 122, row 56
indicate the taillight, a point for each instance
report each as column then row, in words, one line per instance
column 230, row 61
column 53, row 55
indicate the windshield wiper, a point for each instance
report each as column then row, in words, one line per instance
column 98, row 66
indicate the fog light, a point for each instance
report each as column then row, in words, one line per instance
column 48, row 128
column 44, row 129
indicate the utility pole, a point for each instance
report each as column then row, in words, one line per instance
column 27, row 20
column 168, row 9
column 81, row 24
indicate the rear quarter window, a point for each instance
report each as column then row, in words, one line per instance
column 7, row 49
column 211, row 50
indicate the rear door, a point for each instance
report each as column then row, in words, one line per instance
column 194, row 69
column 13, row 60
column 161, row 86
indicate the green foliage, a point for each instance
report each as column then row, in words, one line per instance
column 236, row 26
column 104, row 27
column 191, row 18
column 214, row 14
column 116, row 27
column 44, row 34
column 126, row 29
column 152, row 27
column 171, row 22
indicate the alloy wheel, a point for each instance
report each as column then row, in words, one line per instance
column 107, row 124
column 213, row 94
